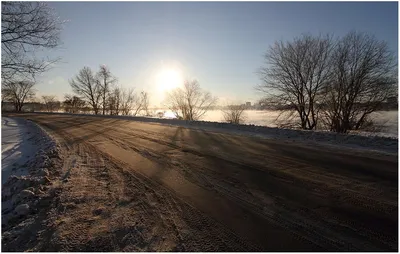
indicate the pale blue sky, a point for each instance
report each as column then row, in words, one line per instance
column 219, row 43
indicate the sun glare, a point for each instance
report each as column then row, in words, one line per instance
column 169, row 79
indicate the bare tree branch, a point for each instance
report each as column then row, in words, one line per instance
column 86, row 86
column 105, row 79
column 364, row 76
column 127, row 99
column 73, row 104
column 51, row 103
column 26, row 27
column 295, row 75
column 234, row 114
column 190, row 102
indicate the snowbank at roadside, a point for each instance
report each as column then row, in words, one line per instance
column 355, row 141
column 21, row 141
column 26, row 160
column 16, row 147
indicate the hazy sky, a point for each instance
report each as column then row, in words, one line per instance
column 219, row 43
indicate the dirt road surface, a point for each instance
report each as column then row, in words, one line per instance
column 132, row 186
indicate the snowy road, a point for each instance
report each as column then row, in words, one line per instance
column 135, row 186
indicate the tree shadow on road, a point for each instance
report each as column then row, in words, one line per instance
column 177, row 136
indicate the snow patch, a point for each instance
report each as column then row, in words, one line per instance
column 26, row 152
column 16, row 147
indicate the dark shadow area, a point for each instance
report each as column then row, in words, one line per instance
column 177, row 136
column 294, row 191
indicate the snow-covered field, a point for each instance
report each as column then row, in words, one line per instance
column 387, row 119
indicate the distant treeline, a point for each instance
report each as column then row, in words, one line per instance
column 390, row 104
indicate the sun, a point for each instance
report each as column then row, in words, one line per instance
column 169, row 79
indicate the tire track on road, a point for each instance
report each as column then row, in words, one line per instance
column 207, row 236
column 307, row 230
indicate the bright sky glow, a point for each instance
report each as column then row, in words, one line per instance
column 168, row 79
column 152, row 45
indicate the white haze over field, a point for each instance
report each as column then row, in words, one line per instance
column 388, row 119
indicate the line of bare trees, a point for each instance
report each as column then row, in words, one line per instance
column 101, row 92
column 18, row 92
column 51, row 104
column 74, row 104
column 329, row 83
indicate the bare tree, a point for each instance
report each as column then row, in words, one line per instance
column 189, row 102
column 73, row 104
column 295, row 75
column 234, row 114
column 144, row 101
column 127, row 100
column 105, row 80
column 364, row 76
column 86, row 86
column 18, row 93
column 50, row 103
column 140, row 103
column 26, row 27
column 114, row 101
column 123, row 101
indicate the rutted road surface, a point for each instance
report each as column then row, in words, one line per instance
column 132, row 186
